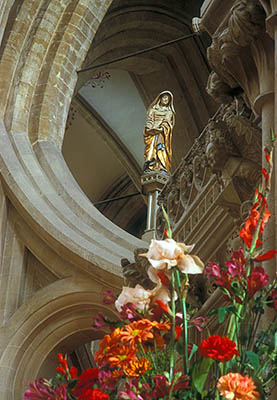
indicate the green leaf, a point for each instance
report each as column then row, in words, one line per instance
column 254, row 359
column 223, row 311
column 221, row 314
column 193, row 350
column 200, row 373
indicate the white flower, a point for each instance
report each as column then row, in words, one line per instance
column 138, row 296
column 164, row 254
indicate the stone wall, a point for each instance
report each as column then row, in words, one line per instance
column 58, row 253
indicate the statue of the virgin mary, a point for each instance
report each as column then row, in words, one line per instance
column 158, row 133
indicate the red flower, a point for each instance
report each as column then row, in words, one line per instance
column 63, row 368
column 159, row 310
column 250, row 225
column 178, row 331
column 266, row 256
column 218, row 348
column 73, row 372
column 256, row 280
column 93, row 394
column 225, row 280
column 164, row 279
column 87, row 380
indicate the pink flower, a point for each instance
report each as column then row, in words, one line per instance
column 138, row 296
column 99, row 322
column 37, row 391
column 238, row 256
column 106, row 380
column 256, row 280
column 199, row 323
column 161, row 387
column 59, row 393
column 212, row 270
column 109, row 297
column 128, row 311
column 224, row 281
column 235, row 270
column 131, row 386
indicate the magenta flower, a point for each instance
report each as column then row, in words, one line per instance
column 59, row 393
column 128, row 311
column 199, row 323
column 256, row 280
column 212, row 270
column 99, row 322
column 161, row 387
column 106, row 380
column 235, row 270
column 109, row 297
column 238, row 257
column 129, row 393
column 37, row 391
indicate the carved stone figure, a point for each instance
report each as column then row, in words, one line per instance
column 158, row 133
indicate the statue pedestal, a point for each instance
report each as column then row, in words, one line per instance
column 152, row 184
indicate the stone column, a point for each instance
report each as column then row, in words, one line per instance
column 152, row 184
column 271, row 238
column 263, row 54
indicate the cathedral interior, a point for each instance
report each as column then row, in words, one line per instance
column 72, row 114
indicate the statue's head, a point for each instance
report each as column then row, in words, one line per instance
column 165, row 99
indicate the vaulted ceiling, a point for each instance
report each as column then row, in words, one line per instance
column 103, row 145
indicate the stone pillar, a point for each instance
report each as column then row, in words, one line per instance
column 271, row 238
column 152, row 184
column 263, row 54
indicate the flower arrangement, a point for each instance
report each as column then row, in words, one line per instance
column 148, row 354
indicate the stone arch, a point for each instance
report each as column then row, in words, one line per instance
column 51, row 319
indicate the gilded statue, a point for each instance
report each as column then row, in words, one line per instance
column 158, row 133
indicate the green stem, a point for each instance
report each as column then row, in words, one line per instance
column 270, row 379
column 185, row 322
column 216, row 377
column 173, row 334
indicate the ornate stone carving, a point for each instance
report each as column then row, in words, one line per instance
column 245, row 24
column 227, row 152
column 136, row 272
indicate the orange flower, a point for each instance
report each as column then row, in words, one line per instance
column 121, row 355
column 161, row 326
column 137, row 332
column 117, row 373
column 137, row 367
column 234, row 386
column 106, row 346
